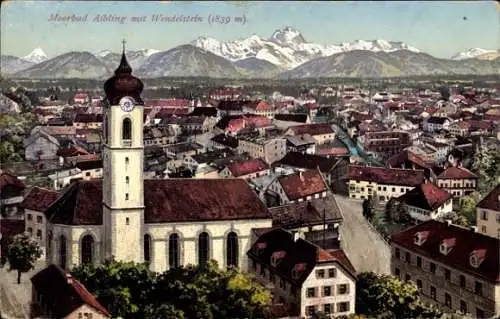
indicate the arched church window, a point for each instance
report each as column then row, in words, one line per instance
column 127, row 129
column 62, row 252
column 232, row 250
column 147, row 248
column 87, row 249
column 173, row 251
column 203, row 248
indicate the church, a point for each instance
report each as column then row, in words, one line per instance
column 166, row 223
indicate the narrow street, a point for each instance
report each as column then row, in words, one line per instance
column 363, row 245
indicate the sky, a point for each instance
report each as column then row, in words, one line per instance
column 438, row 28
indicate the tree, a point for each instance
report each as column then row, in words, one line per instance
column 22, row 254
column 395, row 211
column 486, row 165
column 368, row 209
column 445, row 93
column 384, row 296
column 133, row 291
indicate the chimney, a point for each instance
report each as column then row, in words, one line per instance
column 301, row 176
column 69, row 279
column 448, row 222
column 473, row 229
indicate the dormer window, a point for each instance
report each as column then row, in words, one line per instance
column 298, row 269
column 447, row 245
column 477, row 257
column 259, row 247
column 421, row 237
column 277, row 257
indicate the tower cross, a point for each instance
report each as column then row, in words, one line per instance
column 123, row 42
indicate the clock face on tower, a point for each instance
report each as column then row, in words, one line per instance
column 127, row 104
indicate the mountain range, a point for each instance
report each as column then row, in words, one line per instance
column 285, row 54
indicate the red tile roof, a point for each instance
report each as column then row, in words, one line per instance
column 66, row 294
column 492, row 200
column 456, row 173
column 39, row 199
column 88, row 118
column 404, row 156
column 72, row 151
column 168, row 103
column 466, row 241
column 303, row 184
column 425, row 196
column 7, row 178
column 297, row 252
column 309, row 161
column 312, row 129
column 334, row 151
column 388, row 176
column 168, row 200
column 247, row 167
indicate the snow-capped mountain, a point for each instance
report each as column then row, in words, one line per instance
column 287, row 48
column 136, row 58
column 68, row 65
column 472, row 53
column 187, row 60
column 36, row 56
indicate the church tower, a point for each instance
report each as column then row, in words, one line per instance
column 123, row 162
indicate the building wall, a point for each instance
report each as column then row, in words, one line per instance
column 92, row 174
column 47, row 149
column 424, row 215
column 35, row 225
column 74, row 236
column 313, row 281
column 402, row 269
column 85, row 311
column 457, row 187
column 384, row 192
column 488, row 222
column 274, row 150
column 188, row 234
column 324, row 138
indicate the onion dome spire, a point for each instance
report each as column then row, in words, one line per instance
column 124, row 67
column 123, row 83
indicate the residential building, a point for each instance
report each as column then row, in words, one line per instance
column 301, row 143
column 322, row 133
column 427, row 201
column 222, row 141
column 331, row 168
column 302, row 276
column 248, row 169
column 384, row 144
column 299, row 187
column 317, row 220
column 56, row 294
column 11, row 194
column 488, row 214
column 87, row 121
column 90, row 169
column 435, row 124
column 269, row 149
column 61, row 179
column 453, row 267
column 458, row 181
column 261, row 108
column 40, row 145
column 382, row 183
column 35, row 202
